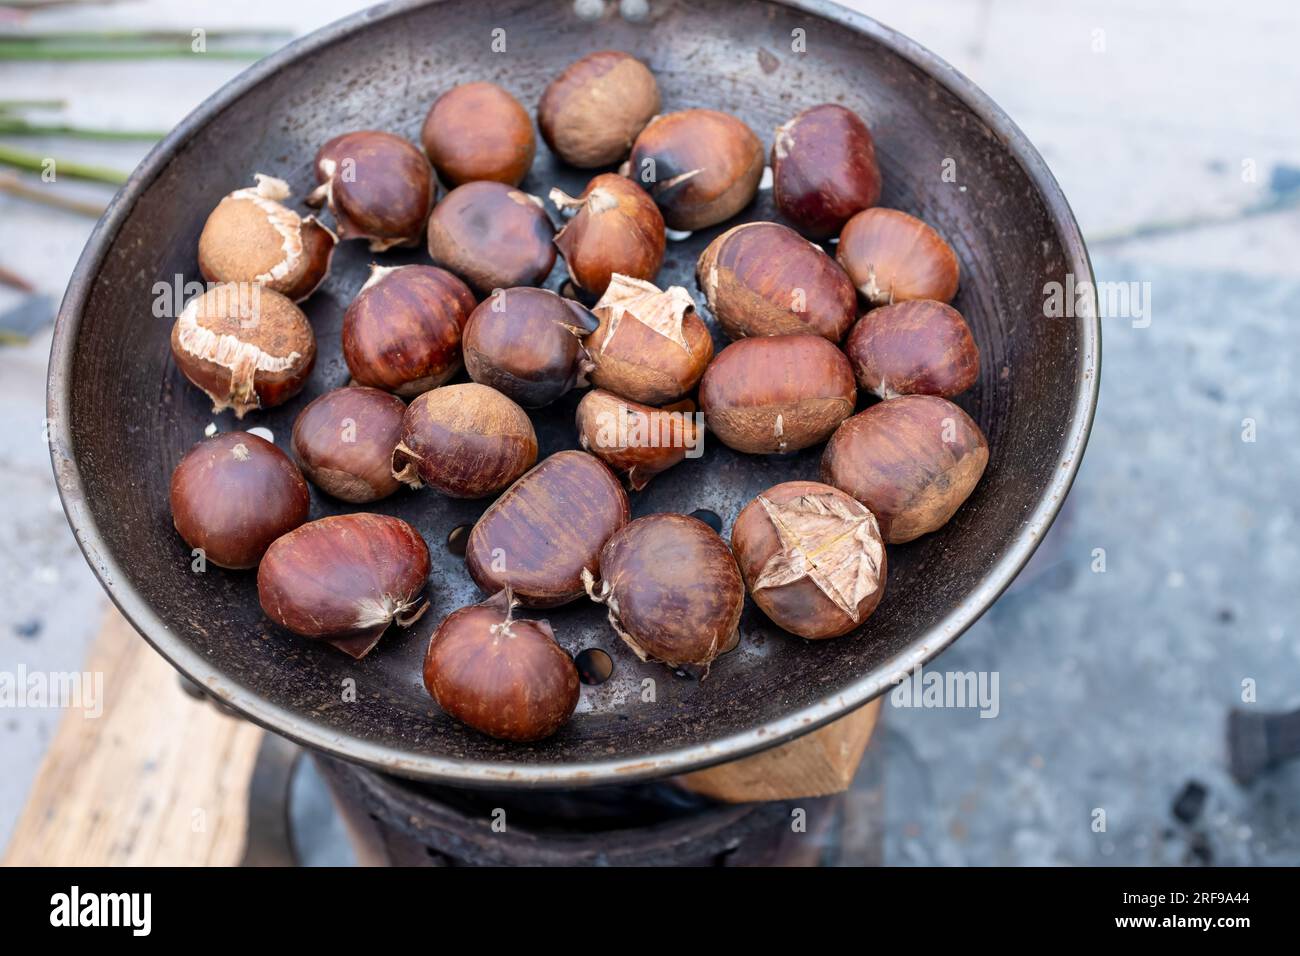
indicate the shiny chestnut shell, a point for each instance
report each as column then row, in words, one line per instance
column 762, row 278
column 235, row 493
column 617, row 228
column 402, row 332
column 778, row 393
column 379, row 187
column 672, row 587
column 493, row 236
column 892, row 257
column 635, row 440
column 920, row 347
column 468, row 441
column 824, row 169
column 343, row 441
column 344, row 579
column 501, row 675
column 592, row 112
column 546, row 529
column 912, row 460
column 700, row 166
column 478, row 131
column 527, row 344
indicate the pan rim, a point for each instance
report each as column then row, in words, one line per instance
column 302, row 730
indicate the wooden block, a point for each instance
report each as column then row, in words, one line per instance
column 158, row 779
column 815, row 765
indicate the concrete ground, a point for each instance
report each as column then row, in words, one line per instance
column 1172, row 130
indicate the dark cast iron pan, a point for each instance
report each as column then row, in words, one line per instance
column 122, row 415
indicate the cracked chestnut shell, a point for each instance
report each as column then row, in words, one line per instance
column 245, row 345
column 478, row 131
column 233, row 494
column 700, row 166
column 378, row 186
column 919, row 347
column 493, row 236
column 912, row 460
column 636, row 441
column 402, row 332
column 812, row 558
column 345, row 579
column 593, row 111
column 527, row 344
column 343, row 441
column 824, row 169
column 546, row 529
column 253, row 237
column 468, row 441
column 893, row 257
column 779, row 393
column 672, row 588
column 617, row 228
column 762, row 278
column 501, row 675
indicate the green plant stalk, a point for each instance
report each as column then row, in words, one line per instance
column 23, row 51
column 10, row 126
column 22, row 159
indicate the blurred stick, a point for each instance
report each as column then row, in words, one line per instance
column 14, row 186
column 15, row 281
column 22, row 159
column 19, row 127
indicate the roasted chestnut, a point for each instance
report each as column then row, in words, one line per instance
column 650, row 347
column 235, row 493
column 592, row 112
column 672, row 588
column 700, row 166
column 402, row 331
column 911, row 460
column 546, row 529
column 638, row 441
column 527, row 344
column 921, row 347
column 762, row 278
column 812, row 558
column 617, row 228
column 344, row 579
column 778, row 393
column 379, row 187
column 479, row 131
column 892, row 257
column 468, row 441
column 501, row 675
column 252, row 237
column 492, row 236
column 344, row 442
column 244, row 345
column 824, row 169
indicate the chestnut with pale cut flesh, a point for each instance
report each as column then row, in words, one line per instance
column 378, row 186
column 344, row 440
column 593, row 111
column 493, row 236
column 635, row 440
column 617, row 228
column 478, row 131
column 893, row 257
column 824, row 169
column 921, row 347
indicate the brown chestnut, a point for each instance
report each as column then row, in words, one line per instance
column 344, row 579
column 779, row 393
column 824, row 169
column 501, row 675
column 920, row 347
column 546, row 529
column 379, row 187
column 233, row 494
column 468, row 441
column 911, row 460
column 252, row 237
column 344, row 442
column 593, row 111
column 672, row 588
column 812, row 558
column 492, row 236
column 762, row 278
column 635, row 440
column 617, row 228
column 650, row 346
column 892, row 257
column 700, row 166
column 527, row 344
column 244, row 345
column 402, row 332
column 479, row 131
